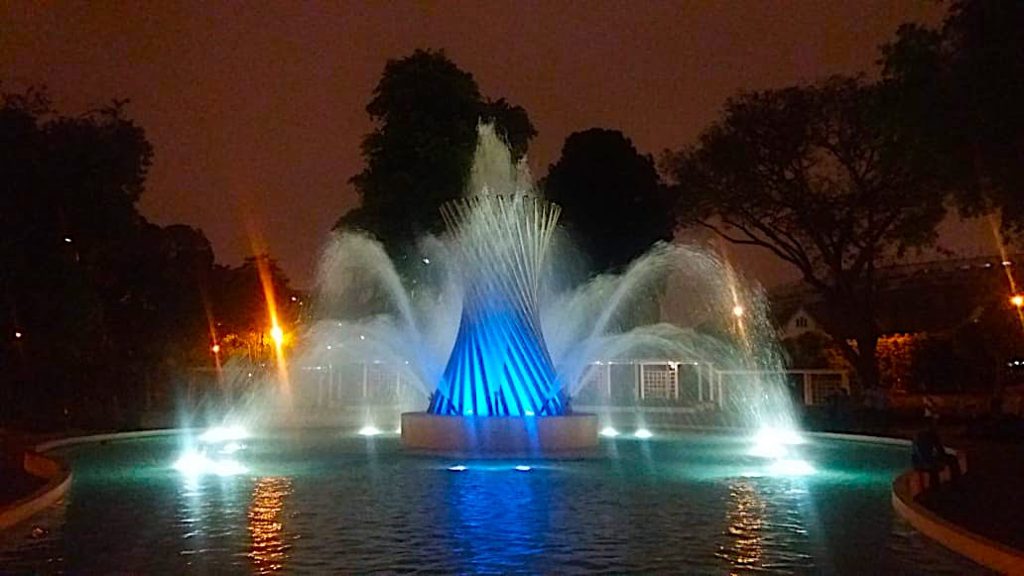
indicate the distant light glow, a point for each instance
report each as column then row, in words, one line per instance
column 219, row 434
column 609, row 432
column 1017, row 300
column 67, row 239
column 18, row 335
column 193, row 463
column 459, row 468
column 277, row 335
column 522, row 468
column 738, row 311
column 369, row 430
column 426, row 260
column 642, row 433
column 215, row 348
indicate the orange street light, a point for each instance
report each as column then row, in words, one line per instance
column 1017, row 300
column 277, row 335
column 215, row 348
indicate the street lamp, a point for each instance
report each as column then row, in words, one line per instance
column 1017, row 300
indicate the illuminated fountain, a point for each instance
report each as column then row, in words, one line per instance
column 492, row 340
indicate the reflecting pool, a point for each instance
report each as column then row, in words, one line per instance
column 334, row 502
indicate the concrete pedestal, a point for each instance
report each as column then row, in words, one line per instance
column 496, row 436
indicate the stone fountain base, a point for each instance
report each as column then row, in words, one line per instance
column 496, row 436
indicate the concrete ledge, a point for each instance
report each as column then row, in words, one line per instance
column 58, row 480
column 497, row 436
column 989, row 553
column 57, row 474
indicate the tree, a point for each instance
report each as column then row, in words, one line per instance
column 426, row 111
column 611, row 197
column 68, row 187
column 820, row 176
column 960, row 87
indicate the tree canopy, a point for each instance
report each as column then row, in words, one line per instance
column 95, row 301
column 611, row 197
column 822, row 177
column 960, row 87
column 426, row 110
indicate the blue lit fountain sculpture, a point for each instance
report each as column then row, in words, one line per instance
column 499, row 392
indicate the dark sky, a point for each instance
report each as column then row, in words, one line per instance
column 256, row 111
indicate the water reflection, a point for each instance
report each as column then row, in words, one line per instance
column 746, row 523
column 269, row 550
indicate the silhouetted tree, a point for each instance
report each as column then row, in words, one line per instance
column 611, row 197
column 426, row 111
column 821, row 177
column 960, row 87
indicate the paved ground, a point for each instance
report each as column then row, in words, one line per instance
column 15, row 484
column 990, row 501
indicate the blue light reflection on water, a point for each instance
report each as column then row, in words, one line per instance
column 665, row 504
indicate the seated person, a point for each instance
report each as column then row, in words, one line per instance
column 929, row 455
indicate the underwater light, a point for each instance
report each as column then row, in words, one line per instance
column 642, row 433
column 231, row 448
column 459, row 468
column 369, row 430
column 774, row 442
column 791, row 467
column 219, row 434
column 522, row 468
column 609, row 432
column 193, row 463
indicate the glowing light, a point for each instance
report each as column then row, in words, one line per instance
column 18, row 335
column 522, row 468
column 459, row 468
column 642, row 433
column 219, row 434
column 369, row 430
column 791, row 467
column 738, row 311
column 1017, row 300
column 231, row 448
column 67, row 239
column 215, row 348
column 277, row 335
column 426, row 260
column 609, row 432
column 193, row 463
column 774, row 442
column 328, row 346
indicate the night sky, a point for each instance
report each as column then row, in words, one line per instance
column 256, row 111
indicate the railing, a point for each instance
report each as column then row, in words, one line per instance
column 649, row 384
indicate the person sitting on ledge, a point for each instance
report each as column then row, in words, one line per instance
column 929, row 455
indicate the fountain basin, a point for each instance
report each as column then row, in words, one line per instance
column 499, row 436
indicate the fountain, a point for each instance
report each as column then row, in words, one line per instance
column 499, row 392
column 496, row 339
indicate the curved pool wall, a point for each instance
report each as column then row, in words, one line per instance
column 319, row 501
column 997, row 556
column 57, row 480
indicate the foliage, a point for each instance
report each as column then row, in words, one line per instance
column 611, row 197
column 426, row 110
column 959, row 88
column 820, row 176
column 96, row 303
